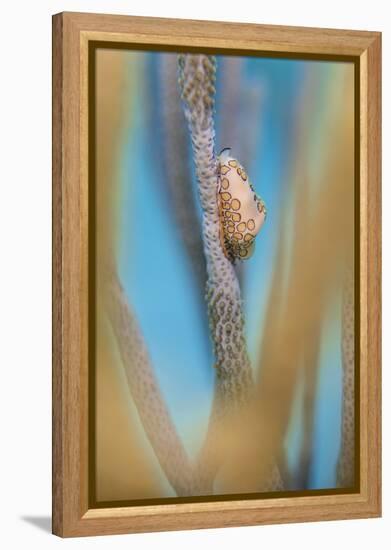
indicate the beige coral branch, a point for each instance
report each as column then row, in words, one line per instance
column 115, row 97
column 197, row 74
column 311, row 369
column 347, row 459
column 322, row 239
column 177, row 168
column 146, row 392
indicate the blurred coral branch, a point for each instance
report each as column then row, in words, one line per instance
column 346, row 462
column 240, row 109
column 113, row 81
column 311, row 369
column 146, row 392
column 322, row 241
column 234, row 381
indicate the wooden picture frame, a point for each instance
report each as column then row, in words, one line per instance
column 72, row 35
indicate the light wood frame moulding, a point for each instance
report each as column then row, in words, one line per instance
column 72, row 33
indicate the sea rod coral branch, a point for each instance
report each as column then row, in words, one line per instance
column 176, row 162
column 197, row 74
column 145, row 390
column 346, row 461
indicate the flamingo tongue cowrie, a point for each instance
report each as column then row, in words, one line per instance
column 242, row 213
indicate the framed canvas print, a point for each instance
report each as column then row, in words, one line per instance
column 216, row 274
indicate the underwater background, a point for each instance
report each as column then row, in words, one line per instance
column 279, row 116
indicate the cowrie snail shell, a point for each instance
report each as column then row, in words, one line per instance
column 242, row 213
